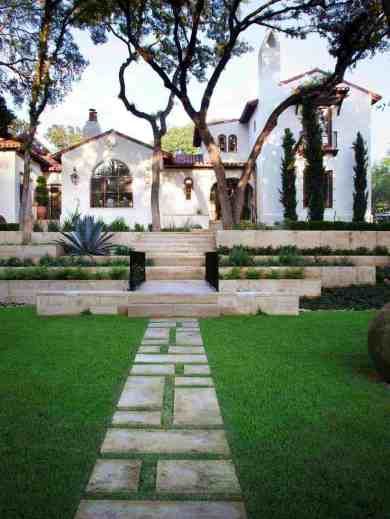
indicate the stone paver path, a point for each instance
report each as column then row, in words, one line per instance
column 165, row 455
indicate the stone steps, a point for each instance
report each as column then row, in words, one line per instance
column 174, row 273
column 164, row 259
column 167, row 309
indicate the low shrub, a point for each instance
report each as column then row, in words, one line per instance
column 382, row 274
column 337, row 226
column 138, row 227
column 63, row 273
column 349, row 298
column 252, row 273
column 53, row 226
column 315, row 251
column 9, row 227
column 121, row 250
column 119, row 225
column 240, row 257
column 16, row 262
column 37, row 227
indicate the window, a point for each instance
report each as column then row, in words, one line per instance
column 328, row 190
column 188, row 185
column 326, row 125
column 111, row 185
column 233, row 143
column 222, row 142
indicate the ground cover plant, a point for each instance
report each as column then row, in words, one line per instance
column 59, row 381
column 306, row 417
column 75, row 273
column 316, row 251
column 362, row 297
column 252, row 273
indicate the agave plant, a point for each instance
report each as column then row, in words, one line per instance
column 87, row 239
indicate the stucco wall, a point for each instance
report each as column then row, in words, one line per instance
column 173, row 204
column 231, row 127
column 86, row 157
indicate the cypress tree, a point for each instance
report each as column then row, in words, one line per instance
column 288, row 194
column 360, row 195
column 314, row 171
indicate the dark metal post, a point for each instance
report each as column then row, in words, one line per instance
column 137, row 270
column 212, row 269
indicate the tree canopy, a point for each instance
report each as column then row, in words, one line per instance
column 381, row 186
column 180, row 138
column 62, row 136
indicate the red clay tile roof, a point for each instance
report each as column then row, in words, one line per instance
column 47, row 162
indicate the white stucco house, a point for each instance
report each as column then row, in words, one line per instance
column 108, row 174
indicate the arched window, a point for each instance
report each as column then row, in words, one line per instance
column 222, row 142
column 111, row 185
column 233, row 143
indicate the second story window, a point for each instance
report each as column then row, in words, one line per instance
column 326, row 126
column 233, row 143
column 222, row 142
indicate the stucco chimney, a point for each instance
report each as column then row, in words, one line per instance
column 92, row 126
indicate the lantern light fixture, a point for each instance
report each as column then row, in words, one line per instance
column 188, row 186
column 74, row 177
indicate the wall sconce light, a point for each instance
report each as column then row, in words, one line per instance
column 188, row 185
column 74, row 177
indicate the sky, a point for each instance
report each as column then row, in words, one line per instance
column 99, row 87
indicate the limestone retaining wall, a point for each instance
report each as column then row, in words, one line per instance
column 300, row 287
column 349, row 240
column 25, row 292
column 29, row 251
column 331, row 277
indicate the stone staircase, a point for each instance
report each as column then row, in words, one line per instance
column 176, row 255
column 175, row 283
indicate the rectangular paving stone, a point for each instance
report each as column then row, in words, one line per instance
column 196, row 370
column 105, row 509
column 154, row 342
column 149, row 349
column 115, row 476
column 170, row 358
column 153, row 369
column 196, row 407
column 161, row 324
column 186, row 349
column 196, row 477
column 157, row 333
column 137, row 418
column 165, row 442
column 193, row 381
column 188, row 337
column 142, row 392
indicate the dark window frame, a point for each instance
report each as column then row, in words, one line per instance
column 232, row 143
column 113, row 188
column 222, row 142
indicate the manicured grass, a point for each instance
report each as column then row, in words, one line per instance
column 307, row 420
column 59, row 380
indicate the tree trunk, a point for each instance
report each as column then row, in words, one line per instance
column 25, row 215
column 386, row 8
column 155, row 193
column 219, row 169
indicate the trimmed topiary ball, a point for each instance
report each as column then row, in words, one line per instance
column 379, row 342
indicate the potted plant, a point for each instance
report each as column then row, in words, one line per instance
column 41, row 197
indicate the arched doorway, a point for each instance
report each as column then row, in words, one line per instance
column 232, row 183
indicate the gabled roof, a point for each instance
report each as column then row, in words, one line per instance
column 58, row 154
column 374, row 96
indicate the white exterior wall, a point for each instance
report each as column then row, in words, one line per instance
column 11, row 167
column 86, row 157
column 8, row 203
column 230, row 128
column 356, row 108
column 175, row 209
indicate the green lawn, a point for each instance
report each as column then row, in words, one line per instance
column 308, row 423
column 59, row 380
